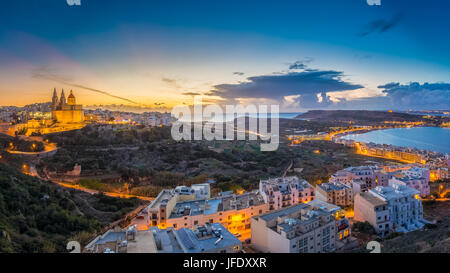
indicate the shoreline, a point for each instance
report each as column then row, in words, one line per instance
column 414, row 149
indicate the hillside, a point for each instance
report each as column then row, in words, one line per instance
column 38, row 216
column 361, row 116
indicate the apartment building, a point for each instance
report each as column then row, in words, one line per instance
column 414, row 177
column 209, row 238
column 362, row 178
column 392, row 208
column 343, row 230
column 297, row 229
column 421, row 184
column 282, row 192
column 335, row 193
column 181, row 208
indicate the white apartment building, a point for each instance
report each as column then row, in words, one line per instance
column 392, row 208
column 297, row 229
column 335, row 193
column 282, row 192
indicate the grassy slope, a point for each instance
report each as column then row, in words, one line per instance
column 37, row 216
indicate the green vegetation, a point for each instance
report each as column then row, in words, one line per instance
column 18, row 144
column 434, row 238
column 93, row 184
column 38, row 216
column 148, row 160
column 363, row 227
column 360, row 116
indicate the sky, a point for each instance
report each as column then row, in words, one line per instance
column 301, row 55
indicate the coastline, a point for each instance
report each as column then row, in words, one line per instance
column 406, row 154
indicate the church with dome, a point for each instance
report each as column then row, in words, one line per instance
column 66, row 111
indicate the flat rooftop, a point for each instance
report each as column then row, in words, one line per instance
column 332, row 186
column 394, row 192
column 144, row 243
column 211, row 206
column 193, row 241
column 283, row 212
column 162, row 198
column 196, row 207
column 375, row 201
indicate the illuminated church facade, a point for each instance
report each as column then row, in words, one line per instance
column 66, row 111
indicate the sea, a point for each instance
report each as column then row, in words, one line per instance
column 424, row 138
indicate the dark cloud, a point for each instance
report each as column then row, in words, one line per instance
column 191, row 94
column 238, row 73
column 307, row 84
column 417, row 96
column 171, row 82
column 380, row 25
column 301, row 64
column 297, row 65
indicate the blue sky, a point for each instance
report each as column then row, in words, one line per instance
column 162, row 52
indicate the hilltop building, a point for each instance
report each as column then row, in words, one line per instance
column 66, row 111
column 60, row 115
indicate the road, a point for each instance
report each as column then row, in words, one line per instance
column 91, row 191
